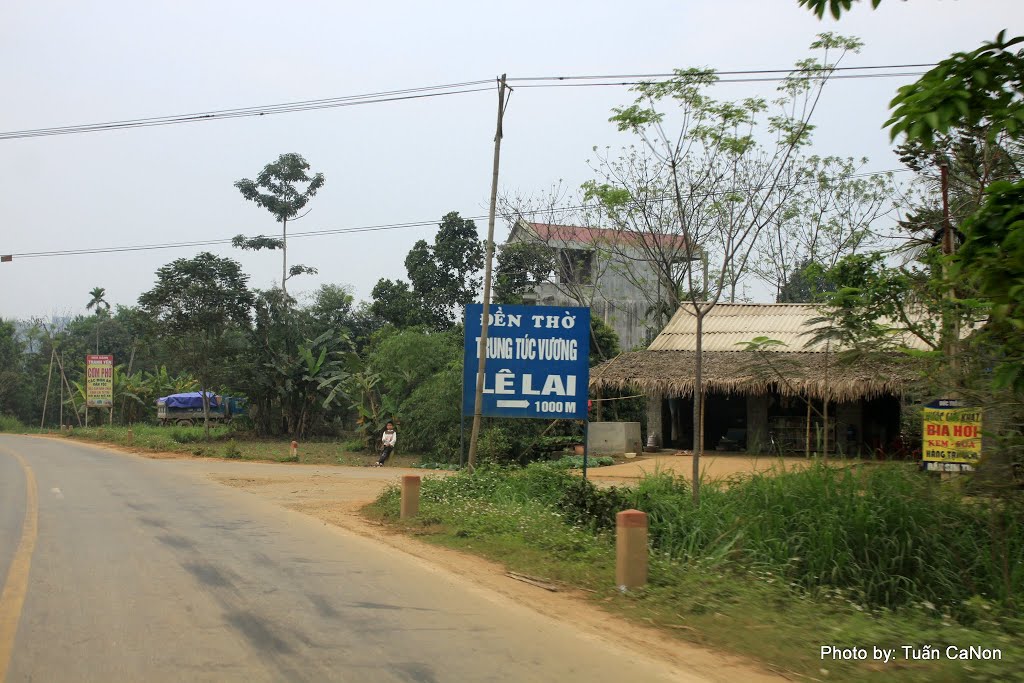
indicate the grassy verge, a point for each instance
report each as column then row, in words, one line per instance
column 715, row 578
column 228, row 444
column 11, row 425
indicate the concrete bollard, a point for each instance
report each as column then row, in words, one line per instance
column 630, row 549
column 295, row 450
column 410, row 496
column 131, row 436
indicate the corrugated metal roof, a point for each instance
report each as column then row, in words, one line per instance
column 726, row 326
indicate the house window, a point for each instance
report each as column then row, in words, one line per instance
column 576, row 266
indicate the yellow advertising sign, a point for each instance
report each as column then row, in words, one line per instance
column 99, row 381
column 952, row 433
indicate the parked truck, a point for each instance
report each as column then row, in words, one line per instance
column 186, row 410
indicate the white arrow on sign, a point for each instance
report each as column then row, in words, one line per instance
column 513, row 404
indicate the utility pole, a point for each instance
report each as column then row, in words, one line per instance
column 46, row 396
column 950, row 328
column 61, row 361
column 489, row 248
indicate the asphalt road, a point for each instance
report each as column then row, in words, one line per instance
column 141, row 572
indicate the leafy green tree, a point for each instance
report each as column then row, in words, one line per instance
column 396, row 304
column 443, row 278
column 836, row 7
column 977, row 97
column 992, row 260
column 604, row 342
column 11, row 369
column 295, row 367
column 405, row 359
column 445, row 274
column 521, row 266
column 432, row 413
column 200, row 306
column 279, row 189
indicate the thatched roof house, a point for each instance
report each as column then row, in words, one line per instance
column 798, row 366
column 767, row 395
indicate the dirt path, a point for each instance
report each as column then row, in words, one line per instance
column 713, row 466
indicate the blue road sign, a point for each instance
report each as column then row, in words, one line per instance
column 538, row 361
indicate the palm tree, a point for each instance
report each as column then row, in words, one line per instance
column 102, row 308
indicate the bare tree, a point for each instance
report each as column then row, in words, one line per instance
column 708, row 178
column 832, row 212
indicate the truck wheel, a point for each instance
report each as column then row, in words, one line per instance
column 184, row 423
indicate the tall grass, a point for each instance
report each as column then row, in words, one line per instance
column 9, row 423
column 886, row 535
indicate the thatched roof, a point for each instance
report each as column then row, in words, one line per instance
column 671, row 373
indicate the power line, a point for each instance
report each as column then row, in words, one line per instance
column 382, row 227
column 739, row 72
column 262, row 110
column 765, row 79
column 422, row 92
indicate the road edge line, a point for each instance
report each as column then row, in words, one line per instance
column 15, row 587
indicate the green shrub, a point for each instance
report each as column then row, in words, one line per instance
column 186, row 434
column 353, row 446
column 494, row 445
column 575, row 462
column 587, row 506
column 9, row 423
column 231, row 449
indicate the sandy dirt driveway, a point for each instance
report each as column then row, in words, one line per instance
column 334, row 495
column 712, row 465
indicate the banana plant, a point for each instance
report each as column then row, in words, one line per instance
column 375, row 410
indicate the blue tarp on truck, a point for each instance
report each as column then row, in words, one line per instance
column 192, row 399
column 187, row 409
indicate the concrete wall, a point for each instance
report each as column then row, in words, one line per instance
column 614, row 438
column 616, row 299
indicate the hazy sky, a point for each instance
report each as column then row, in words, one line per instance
column 87, row 61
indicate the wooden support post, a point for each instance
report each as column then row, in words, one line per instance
column 630, row 549
column 410, row 496
column 653, row 421
column 807, row 442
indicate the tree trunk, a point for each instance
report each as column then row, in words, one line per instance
column 698, row 405
column 206, row 411
column 284, row 257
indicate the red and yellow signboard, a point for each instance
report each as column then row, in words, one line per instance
column 952, row 433
column 99, row 381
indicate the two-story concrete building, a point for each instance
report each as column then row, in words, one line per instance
column 610, row 271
